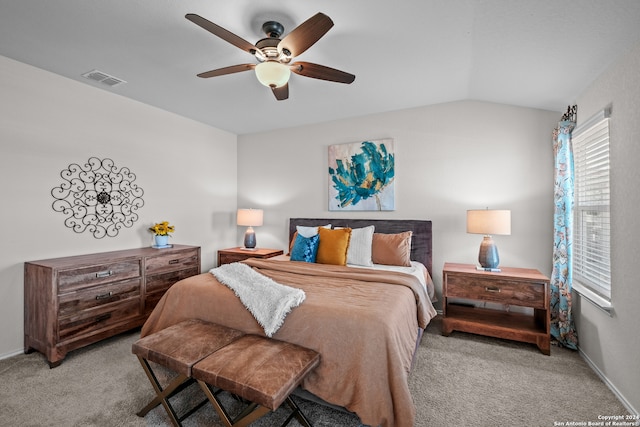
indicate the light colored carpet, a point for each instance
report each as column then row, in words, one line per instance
column 461, row 380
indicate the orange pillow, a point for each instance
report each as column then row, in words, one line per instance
column 391, row 249
column 333, row 246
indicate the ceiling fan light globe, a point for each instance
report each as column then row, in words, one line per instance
column 272, row 74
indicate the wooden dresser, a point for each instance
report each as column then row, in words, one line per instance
column 512, row 286
column 75, row 301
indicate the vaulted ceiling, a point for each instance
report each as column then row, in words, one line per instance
column 407, row 53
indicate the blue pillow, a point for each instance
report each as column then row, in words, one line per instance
column 305, row 248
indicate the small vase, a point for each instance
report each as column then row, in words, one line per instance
column 161, row 241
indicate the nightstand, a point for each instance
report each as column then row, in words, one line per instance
column 227, row 256
column 513, row 287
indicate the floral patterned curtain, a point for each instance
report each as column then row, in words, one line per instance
column 562, row 326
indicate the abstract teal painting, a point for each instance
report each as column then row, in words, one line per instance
column 362, row 176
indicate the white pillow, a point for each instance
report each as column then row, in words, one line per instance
column 359, row 251
column 309, row 231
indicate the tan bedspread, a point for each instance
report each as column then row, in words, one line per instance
column 364, row 324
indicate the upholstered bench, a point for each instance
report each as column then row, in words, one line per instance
column 260, row 370
column 178, row 348
column 257, row 369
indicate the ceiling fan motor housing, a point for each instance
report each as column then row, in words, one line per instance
column 273, row 29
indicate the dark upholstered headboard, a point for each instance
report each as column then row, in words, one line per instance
column 421, row 241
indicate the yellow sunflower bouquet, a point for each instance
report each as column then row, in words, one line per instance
column 162, row 228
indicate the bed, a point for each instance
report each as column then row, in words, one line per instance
column 365, row 322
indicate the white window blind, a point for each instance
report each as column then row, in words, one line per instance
column 592, row 236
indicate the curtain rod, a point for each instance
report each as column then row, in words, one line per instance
column 571, row 114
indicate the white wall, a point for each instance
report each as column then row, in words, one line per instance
column 449, row 158
column 186, row 169
column 612, row 344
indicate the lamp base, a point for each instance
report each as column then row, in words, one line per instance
column 250, row 239
column 488, row 256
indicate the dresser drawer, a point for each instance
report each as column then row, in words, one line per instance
column 172, row 261
column 502, row 291
column 78, row 278
column 88, row 322
column 158, row 284
column 162, row 282
column 98, row 307
column 73, row 302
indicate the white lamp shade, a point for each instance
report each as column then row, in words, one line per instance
column 488, row 222
column 249, row 217
column 272, row 73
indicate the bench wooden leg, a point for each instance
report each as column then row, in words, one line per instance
column 162, row 395
column 251, row 413
column 296, row 413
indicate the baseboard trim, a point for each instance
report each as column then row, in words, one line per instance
column 12, row 354
column 609, row 384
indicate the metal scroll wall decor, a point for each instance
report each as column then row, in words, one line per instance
column 98, row 197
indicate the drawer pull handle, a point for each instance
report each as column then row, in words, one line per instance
column 492, row 289
column 174, row 261
column 103, row 317
column 104, row 274
column 104, row 296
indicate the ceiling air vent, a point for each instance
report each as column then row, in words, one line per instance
column 104, row 78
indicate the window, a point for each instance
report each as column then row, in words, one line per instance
column 591, row 234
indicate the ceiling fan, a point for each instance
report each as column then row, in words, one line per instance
column 274, row 55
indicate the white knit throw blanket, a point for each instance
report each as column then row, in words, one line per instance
column 268, row 301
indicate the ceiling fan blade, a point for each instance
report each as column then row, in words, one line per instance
column 222, row 33
column 321, row 72
column 227, row 70
column 281, row 93
column 306, row 34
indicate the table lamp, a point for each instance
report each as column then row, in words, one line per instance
column 488, row 222
column 249, row 218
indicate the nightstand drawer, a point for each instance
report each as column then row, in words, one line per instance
column 227, row 256
column 502, row 291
